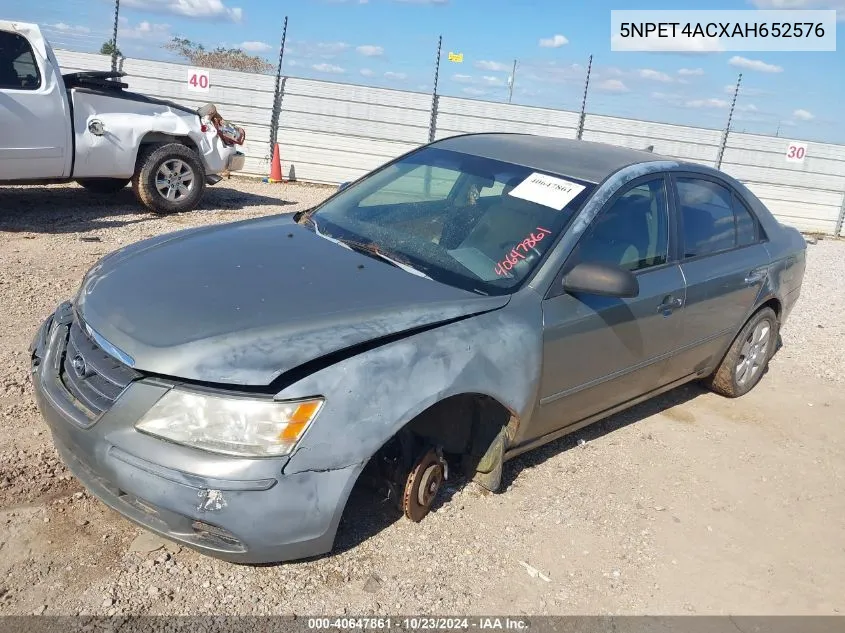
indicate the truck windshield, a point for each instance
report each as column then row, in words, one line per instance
column 468, row 221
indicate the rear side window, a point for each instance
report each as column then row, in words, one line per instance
column 18, row 70
column 713, row 219
column 746, row 225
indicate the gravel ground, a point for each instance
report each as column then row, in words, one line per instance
column 688, row 504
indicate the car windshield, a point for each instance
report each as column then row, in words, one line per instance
column 468, row 221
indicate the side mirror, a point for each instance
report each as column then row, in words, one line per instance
column 606, row 280
column 342, row 186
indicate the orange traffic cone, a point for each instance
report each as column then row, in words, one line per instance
column 275, row 166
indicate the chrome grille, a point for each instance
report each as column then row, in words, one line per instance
column 94, row 378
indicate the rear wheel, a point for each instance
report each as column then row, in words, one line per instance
column 747, row 359
column 103, row 185
column 169, row 178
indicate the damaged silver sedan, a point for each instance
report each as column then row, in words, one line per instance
column 227, row 386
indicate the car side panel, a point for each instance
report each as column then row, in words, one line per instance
column 600, row 352
column 722, row 290
column 370, row 396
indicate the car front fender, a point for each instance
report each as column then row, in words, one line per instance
column 371, row 396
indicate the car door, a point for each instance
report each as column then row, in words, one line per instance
column 725, row 264
column 598, row 351
column 34, row 120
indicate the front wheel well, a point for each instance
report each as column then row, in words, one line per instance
column 469, row 431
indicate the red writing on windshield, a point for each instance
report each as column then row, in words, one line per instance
column 517, row 253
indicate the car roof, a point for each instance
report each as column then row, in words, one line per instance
column 582, row 160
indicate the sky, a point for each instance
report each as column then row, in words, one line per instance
column 393, row 43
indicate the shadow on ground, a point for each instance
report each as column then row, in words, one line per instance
column 367, row 513
column 70, row 209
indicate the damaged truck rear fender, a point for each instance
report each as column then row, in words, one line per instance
column 115, row 153
column 371, row 396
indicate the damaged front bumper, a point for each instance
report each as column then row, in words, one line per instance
column 236, row 509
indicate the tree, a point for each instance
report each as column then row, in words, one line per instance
column 108, row 48
column 222, row 58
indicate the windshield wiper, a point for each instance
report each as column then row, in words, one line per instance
column 373, row 250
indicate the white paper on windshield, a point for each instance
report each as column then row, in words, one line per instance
column 547, row 190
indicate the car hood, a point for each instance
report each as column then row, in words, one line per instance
column 246, row 302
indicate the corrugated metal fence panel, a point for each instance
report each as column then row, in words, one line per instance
column 807, row 195
column 333, row 132
column 462, row 116
column 73, row 62
column 678, row 141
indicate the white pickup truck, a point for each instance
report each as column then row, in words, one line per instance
column 86, row 127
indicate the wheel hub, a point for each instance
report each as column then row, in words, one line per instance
column 422, row 485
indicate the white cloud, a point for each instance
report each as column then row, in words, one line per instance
column 744, row 90
column 462, row 79
column 654, row 75
column 493, row 81
column 555, row 41
column 707, row 103
column 492, row 66
column 202, row 9
column 255, row 47
column 422, row 1
column 328, row 68
column 754, row 64
column 838, row 5
column 368, row 50
column 612, row 85
column 395, row 76
column 142, row 31
column 680, row 44
column 330, row 49
column 691, row 72
column 366, row 72
column 474, row 92
column 69, row 28
column 803, row 115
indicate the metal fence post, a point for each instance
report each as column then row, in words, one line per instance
column 841, row 219
column 727, row 131
column 583, row 116
column 114, row 36
column 278, row 92
column 435, row 98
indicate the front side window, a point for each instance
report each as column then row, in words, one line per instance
column 18, row 70
column 633, row 232
column 469, row 221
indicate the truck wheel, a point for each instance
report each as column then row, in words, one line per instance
column 103, row 185
column 168, row 178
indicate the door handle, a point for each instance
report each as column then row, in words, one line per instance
column 754, row 276
column 669, row 303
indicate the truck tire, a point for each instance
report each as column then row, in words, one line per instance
column 103, row 185
column 168, row 178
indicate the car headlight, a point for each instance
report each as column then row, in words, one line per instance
column 244, row 427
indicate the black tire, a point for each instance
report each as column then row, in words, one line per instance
column 144, row 182
column 103, row 185
column 729, row 380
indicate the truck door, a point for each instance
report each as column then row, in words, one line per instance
column 35, row 142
